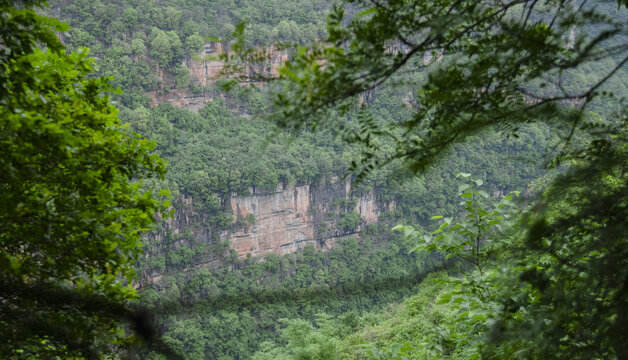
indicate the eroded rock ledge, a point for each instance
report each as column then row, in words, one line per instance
column 289, row 218
column 278, row 221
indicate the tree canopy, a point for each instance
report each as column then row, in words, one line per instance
column 401, row 80
column 469, row 66
column 72, row 206
column 465, row 67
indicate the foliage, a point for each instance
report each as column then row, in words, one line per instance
column 448, row 317
column 461, row 66
column 557, row 291
column 216, row 153
column 141, row 42
column 537, row 296
column 421, row 327
column 496, row 65
column 572, row 271
column 350, row 221
column 231, row 311
column 73, row 207
column 487, row 83
column 474, row 239
column 553, row 291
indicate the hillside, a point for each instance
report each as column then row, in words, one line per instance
column 271, row 235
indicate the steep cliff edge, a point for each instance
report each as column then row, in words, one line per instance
column 278, row 221
column 287, row 219
column 204, row 69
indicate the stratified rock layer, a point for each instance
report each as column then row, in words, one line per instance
column 205, row 69
column 287, row 219
column 278, row 221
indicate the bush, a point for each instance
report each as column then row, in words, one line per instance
column 350, row 221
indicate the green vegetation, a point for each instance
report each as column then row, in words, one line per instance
column 216, row 153
column 350, row 221
column 72, row 208
column 566, row 266
column 146, row 45
column 400, row 95
column 228, row 312
column 457, row 75
column 421, row 327
column 520, row 293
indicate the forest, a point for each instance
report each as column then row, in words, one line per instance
column 360, row 179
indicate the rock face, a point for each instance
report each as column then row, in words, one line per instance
column 205, row 69
column 278, row 221
column 283, row 221
column 287, row 219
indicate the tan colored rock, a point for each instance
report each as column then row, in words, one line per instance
column 288, row 219
column 205, row 69
column 283, row 222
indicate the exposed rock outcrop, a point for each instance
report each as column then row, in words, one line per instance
column 287, row 219
column 205, row 69
column 278, row 221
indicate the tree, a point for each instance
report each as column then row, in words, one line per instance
column 350, row 221
column 72, row 205
column 176, row 47
column 471, row 66
column 568, row 300
column 466, row 67
column 478, row 236
column 138, row 48
column 193, row 44
column 160, row 47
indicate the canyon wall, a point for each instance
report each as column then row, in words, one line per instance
column 205, row 69
column 278, row 221
column 287, row 219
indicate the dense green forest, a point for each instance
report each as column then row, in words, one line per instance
column 504, row 156
column 135, row 40
column 216, row 152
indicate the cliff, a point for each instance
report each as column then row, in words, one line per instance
column 205, row 69
column 279, row 221
column 289, row 218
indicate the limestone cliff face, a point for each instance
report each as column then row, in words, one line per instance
column 278, row 221
column 205, row 69
column 283, row 221
column 287, row 219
